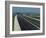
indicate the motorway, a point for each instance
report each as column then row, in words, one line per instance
column 28, row 23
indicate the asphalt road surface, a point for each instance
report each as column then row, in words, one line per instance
column 27, row 24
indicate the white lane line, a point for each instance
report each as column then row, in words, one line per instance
column 35, row 22
column 16, row 25
column 32, row 18
column 32, row 23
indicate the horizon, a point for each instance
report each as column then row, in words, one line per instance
column 25, row 10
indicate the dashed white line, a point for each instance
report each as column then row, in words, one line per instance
column 31, row 23
column 32, row 18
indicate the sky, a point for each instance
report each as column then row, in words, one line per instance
column 25, row 10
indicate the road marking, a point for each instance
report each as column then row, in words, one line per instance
column 31, row 23
column 16, row 25
column 32, row 18
column 36, row 23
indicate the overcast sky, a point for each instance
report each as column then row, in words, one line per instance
column 25, row 10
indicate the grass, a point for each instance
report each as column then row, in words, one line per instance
column 13, row 23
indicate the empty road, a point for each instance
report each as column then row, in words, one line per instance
column 27, row 24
